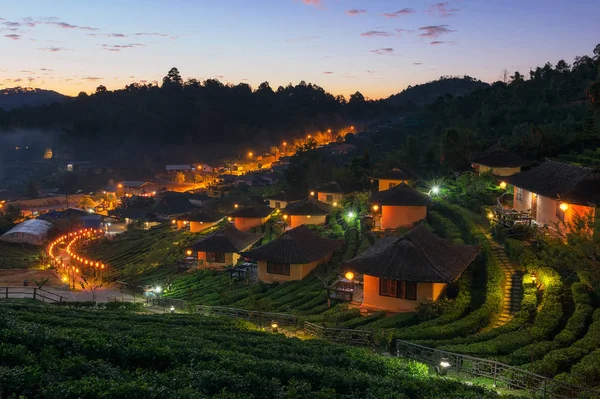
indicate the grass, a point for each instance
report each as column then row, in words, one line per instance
column 18, row 256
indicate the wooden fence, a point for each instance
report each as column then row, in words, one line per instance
column 167, row 303
column 341, row 335
column 283, row 319
column 39, row 294
column 503, row 375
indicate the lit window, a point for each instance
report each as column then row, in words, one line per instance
column 398, row 289
column 278, row 268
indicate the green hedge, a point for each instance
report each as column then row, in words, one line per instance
column 444, row 227
column 584, row 373
column 560, row 360
column 546, row 322
column 574, row 329
column 514, row 248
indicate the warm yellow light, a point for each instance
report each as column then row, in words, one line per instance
column 503, row 185
column 334, row 204
column 328, row 130
column 375, row 208
column 284, row 143
column 309, row 136
column 77, row 270
column 564, row 206
column 349, row 276
column 120, row 185
column 236, row 205
column 173, row 221
column 274, row 325
column 490, row 215
column 229, row 218
column 189, row 252
column 250, row 154
column 312, row 193
column 285, row 217
column 308, row 216
column 351, row 127
column 64, row 279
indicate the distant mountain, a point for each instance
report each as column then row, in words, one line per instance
column 19, row 96
column 428, row 93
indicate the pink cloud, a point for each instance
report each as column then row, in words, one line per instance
column 54, row 49
column 434, row 30
column 316, row 3
column 13, row 37
column 442, row 9
column 327, row 73
column 355, row 12
column 11, row 24
column 417, row 63
column 436, row 42
column 381, row 51
column 119, row 47
column 65, row 25
column 376, row 33
column 91, row 78
column 150, row 34
column 404, row 11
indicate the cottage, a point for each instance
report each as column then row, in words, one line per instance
column 39, row 206
column 172, row 206
column 178, row 168
column 131, row 187
column 284, row 198
column 198, row 221
column 249, row 217
column 401, row 272
column 499, row 162
column 554, row 192
column 331, row 193
column 307, row 211
column 393, row 178
column 400, row 206
column 223, row 248
column 293, row 255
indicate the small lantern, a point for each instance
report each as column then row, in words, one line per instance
column 274, row 326
column 442, row 369
column 490, row 215
column 188, row 252
column 435, row 190
column 564, row 206
column 285, row 217
column 502, row 185
column 334, row 204
column 312, row 193
column 375, row 208
column 533, row 278
column 229, row 218
column 308, row 216
column 173, row 221
column 236, row 206
column 349, row 276
column 172, row 309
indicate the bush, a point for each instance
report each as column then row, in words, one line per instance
column 514, row 248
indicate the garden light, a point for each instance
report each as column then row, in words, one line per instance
column 274, row 326
column 172, row 309
column 503, row 185
column 285, row 217
column 375, row 208
column 563, row 206
column 442, row 369
column 349, row 276
column 229, row 218
column 533, row 278
column 308, row 216
column 236, row 206
column 188, row 252
column 490, row 215
column 435, row 190
column 173, row 221
column 158, row 289
column 312, row 193
column 334, row 204
column 351, row 215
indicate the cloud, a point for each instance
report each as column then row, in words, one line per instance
column 150, row 34
column 327, row 73
column 29, row 22
column 417, row 63
column 369, row 71
column 404, row 11
column 380, row 51
column 442, row 9
column 316, row 3
column 355, row 12
column 119, row 35
column 436, row 42
column 53, row 49
column 91, row 78
column 30, row 79
column 17, row 80
column 11, row 24
column 13, row 37
column 47, row 69
column 119, row 47
column 376, row 33
column 434, row 30
column 65, row 25
column 301, row 39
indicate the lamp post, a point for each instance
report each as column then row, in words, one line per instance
column 274, row 327
column 442, row 369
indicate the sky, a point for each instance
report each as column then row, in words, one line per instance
column 377, row 47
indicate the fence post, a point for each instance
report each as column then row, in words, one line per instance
column 6, row 292
column 34, row 293
column 545, row 381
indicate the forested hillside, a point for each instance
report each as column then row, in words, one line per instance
column 425, row 94
column 27, row 96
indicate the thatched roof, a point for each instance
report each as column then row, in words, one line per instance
column 419, row 255
column 230, row 240
column 310, row 206
column 401, row 195
column 298, row 246
column 255, row 211
column 395, row 174
column 331, row 187
column 287, row 196
column 204, row 216
column 500, row 158
column 560, row 181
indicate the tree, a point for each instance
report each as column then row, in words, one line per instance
column 90, row 282
column 516, row 78
column 32, row 190
column 325, row 273
column 86, row 202
column 357, row 98
column 101, row 89
column 179, row 177
column 173, row 79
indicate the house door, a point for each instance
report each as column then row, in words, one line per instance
column 534, row 205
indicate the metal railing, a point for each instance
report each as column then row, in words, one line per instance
column 166, row 302
column 282, row 319
column 501, row 374
column 39, row 294
column 358, row 337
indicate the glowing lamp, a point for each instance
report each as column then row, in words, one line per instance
column 312, row 193
column 236, row 206
column 158, row 289
column 563, row 206
column 250, row 154
column 375, row 208
column 101, row 266
column 188, row 252
column 285, row 217
column 309, row 136
column 349, row 276
column 229, row 218
column 308, row 216
column 274, row 326
column 351, row 215
column 120, row 186
column 172, row 309
column 64, row 279
column 173, row 221
column 77, row 270
column 503, row 185
column 533, row 278
column 334, row 204
column 490, row 215
column 435, row 190
column 442, row 369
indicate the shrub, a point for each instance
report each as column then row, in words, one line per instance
column 514, row 248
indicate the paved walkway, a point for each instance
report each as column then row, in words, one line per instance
column 499, row 254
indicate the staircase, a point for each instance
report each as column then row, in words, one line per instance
column 513, row 286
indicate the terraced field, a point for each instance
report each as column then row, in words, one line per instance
column 48, row 351
column 17, row 256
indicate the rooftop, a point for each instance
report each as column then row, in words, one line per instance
column 230, row 240
column 308, row 206
column 419, row 255
column 254, row 211
column 203, row 215
column 297, row 246
column 401, row 195
column 395, row 174
column 500, row 158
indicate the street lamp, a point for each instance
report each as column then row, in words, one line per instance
column 158, row 289
column 375, row 207
column 435, row 190
column 349, row 276
column 564, row 206
column 351, row 215
column 172, row 309
column 274, row 326
column 442, row 369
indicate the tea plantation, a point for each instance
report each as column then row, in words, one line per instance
column 53, row 352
